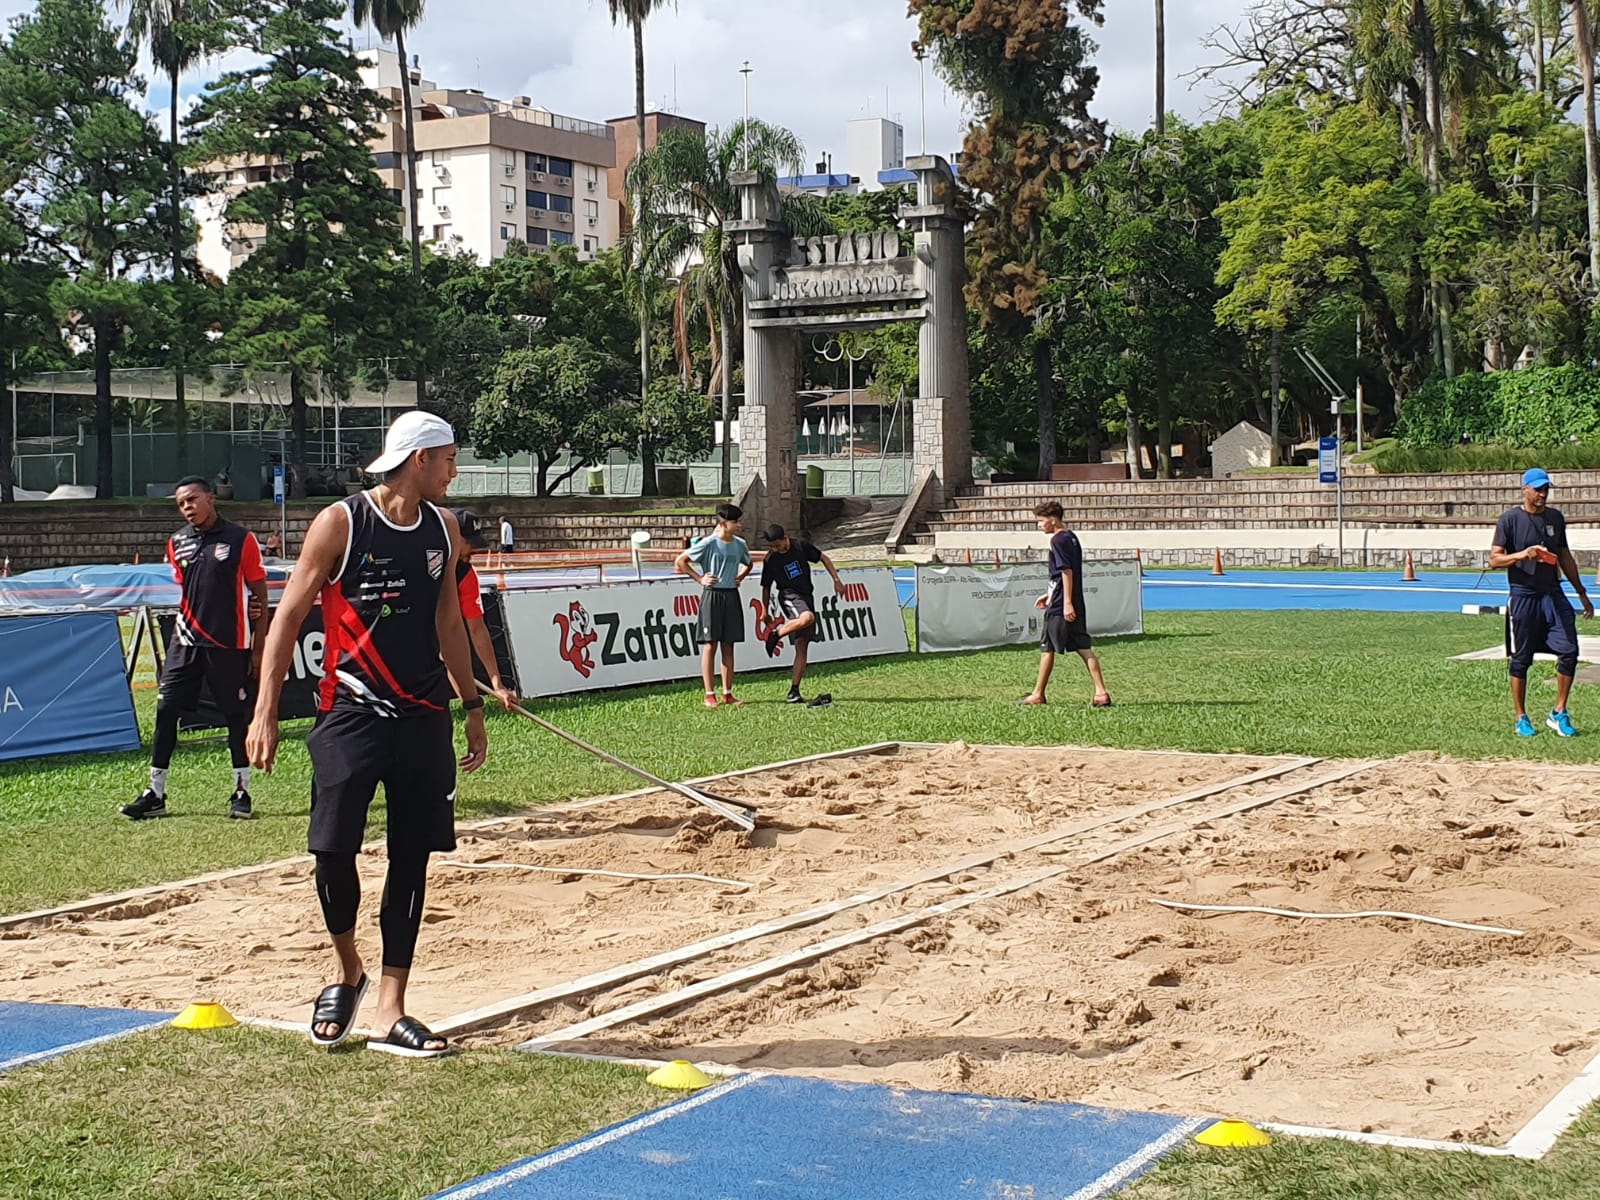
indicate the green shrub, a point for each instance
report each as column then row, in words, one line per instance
column 1398, row 459
column 1544, row 406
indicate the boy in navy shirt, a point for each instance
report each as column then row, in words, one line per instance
column 787, row 567
column 1066, row 623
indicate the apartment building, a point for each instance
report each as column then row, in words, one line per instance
column 626, row 131
column 489, row 172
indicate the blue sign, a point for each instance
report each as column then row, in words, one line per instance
column 62, row 687
column 1328, row 460
column 277, row 484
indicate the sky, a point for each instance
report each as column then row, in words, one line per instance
column 815, row 64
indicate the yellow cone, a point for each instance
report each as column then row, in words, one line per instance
column 1232, row 1133
column 679, row 1075
column 204, row 1016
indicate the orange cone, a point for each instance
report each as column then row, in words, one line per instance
column 1139, row 558
column 136, row 558
column 5, row 569
column 1411, row 570
column 1216, row 562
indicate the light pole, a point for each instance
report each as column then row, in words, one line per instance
column 833, row 350
column 921, row 52
column 745, row 71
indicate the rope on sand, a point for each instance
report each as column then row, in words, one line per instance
column 500, row 866
column 1347, row 916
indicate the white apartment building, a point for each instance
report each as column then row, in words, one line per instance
column 489, row 172
column 872, row 147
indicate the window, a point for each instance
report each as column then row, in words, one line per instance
column 537, row 236
column 591, row 209
column 538, row 200
column 591, row 244
column 558, row 238
column 386, row 160
column 508, row 160
column 395, row 196
column 508, row 196
column 561, row 166
column 441, row 197
column 537, row 162
column 439, row 158
column 441, row 233
column 561, row 204
column 505, row 233
column 591, row 175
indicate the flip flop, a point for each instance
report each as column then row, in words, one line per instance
column 337, row 1004
column 823, row 701
column 409, row 1038
column 1106, row 703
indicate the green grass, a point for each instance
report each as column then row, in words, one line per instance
column 1292, row 682
column 174, row 1115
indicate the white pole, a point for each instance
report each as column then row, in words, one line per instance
column 1338, row 475
column 745, row 71
column 1360, row 416
column 851, row 420
column 922, row 78
column 16, row 455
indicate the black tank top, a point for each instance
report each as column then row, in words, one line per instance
column 380, row 614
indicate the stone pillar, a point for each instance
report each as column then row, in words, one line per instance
column 767, row 462
column 943, row 416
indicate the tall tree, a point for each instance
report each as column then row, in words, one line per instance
column 690, row 175
column 1161, row 68
column 636, row 13
column 178, row 33
column 1024, row 64
column 1584, row 47
column 316, row 289
column 393, row 19
column 92, row 191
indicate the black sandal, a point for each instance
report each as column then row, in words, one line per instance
column 338, row 1005
column 409, row 1038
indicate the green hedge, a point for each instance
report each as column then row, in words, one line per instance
column 1397, row 459
column 1544, row 406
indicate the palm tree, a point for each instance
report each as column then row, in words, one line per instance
column 1584, row 47
column 1161, row 68
column 178, row 33
column 393, row 19
column 636, row 13
column 690, row 175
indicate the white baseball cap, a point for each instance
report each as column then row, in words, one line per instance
column 411, row 432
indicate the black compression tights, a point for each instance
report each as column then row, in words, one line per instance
column 399, row 917
column 166, row 738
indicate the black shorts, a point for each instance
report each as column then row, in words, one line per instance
column 1064, row 637
column 794, row 606
column 225, row 672
column 1540, row 624
column 415, row 760
column 721, row 617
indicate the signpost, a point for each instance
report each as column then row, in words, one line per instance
column 1330, row 470
column 278, row 482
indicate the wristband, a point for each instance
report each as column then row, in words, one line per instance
column 472, row 705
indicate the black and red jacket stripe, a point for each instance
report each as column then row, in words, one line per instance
column 380, row 614
column 214, row 568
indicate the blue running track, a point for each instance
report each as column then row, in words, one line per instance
column 30, row 1032
column 769, row 1137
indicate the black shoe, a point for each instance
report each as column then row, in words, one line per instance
column 239, row 807
column 795, row 697
column 774, row 644
column 825, row 700
column 147, row 806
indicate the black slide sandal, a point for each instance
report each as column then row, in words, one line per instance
column 338, row 1005
column 409, row 1038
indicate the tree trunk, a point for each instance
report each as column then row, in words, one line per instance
column 297, row 435
column 1161, row 68
column 413, row 222
column 103, row 483
column 727, row 410
column 1163, row 417
column 1045, row 393
column 1583, row 39
column 1135, row 451
column 541, row 478
column 8, row 484
column 647, row 453
column 1275, row 396
column 180, row 346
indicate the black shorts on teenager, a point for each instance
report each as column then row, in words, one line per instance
column 794, row 606
column 225, row 672
column 1064, row 637
column 721, row 617
column 415, row 760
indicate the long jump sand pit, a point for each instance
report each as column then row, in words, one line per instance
column 1076, row 987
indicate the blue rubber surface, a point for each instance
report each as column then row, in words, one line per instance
column 782, row 1138
column 1369, row 591
column 30, row 1032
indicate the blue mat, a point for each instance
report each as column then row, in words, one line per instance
column 30, row 1032
column 782, row 1138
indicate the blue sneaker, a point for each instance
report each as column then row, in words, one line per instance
column 1561, row 723
column 1525, row 727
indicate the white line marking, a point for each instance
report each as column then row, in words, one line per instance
column 1139, row 1160
column 1387, row 1139
column 555, row 1158
column 40, row 1055
column 1538, row 1136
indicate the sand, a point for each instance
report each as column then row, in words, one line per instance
column 1079, row 989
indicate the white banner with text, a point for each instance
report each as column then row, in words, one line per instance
column 973, row 608
column 579, row 639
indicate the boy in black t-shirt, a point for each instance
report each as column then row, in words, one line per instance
column 787, row 567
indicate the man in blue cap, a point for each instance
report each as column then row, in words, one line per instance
column 1530, row 543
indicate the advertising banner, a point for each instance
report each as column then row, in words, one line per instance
column 299, row 696
column 62, row 686
column 971, row 608
column 616, row 634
